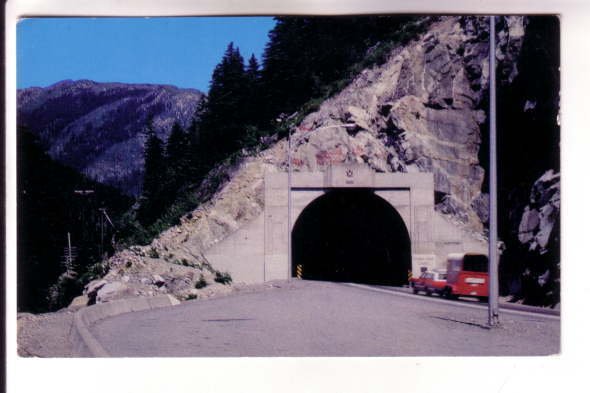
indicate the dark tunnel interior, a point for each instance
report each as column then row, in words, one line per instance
column 351, row 235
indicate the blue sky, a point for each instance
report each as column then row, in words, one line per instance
column 176, row 51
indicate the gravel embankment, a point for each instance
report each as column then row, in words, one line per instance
column 48, row 335
column 45, row 335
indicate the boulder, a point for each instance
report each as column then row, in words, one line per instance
column 112, row 291
column 528, row 225
column 537, row 258
column 546, row 222
column 540, row 216
column 79, row 302
column 158, row 280
column 94, row 286
column 481, row 205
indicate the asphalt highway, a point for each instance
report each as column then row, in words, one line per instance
column 307, row 318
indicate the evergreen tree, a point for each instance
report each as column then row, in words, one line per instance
column 305, row 54
column 222, row 120
column 194, row 140
column 51, row 204
column 177, row 157
column 253, row 70
column 152, row 198
column 253, row 102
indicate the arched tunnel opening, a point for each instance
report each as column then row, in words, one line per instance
column 351, row 235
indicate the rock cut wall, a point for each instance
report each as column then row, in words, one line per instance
column 419, row 112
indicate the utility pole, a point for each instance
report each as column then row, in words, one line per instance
column 70, row 253
column 493, row 309
column 69, row 257
column 101, row 249
column 104, row 218
column 86, row 194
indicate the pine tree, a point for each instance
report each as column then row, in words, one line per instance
column 194, row 139
column 223, row 118
column 152, row 198
column 253, row 70
column 305, row 54
column 253, row 104
column 177, row 158
column 48, row 208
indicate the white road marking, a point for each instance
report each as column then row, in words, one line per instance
column 456, row 304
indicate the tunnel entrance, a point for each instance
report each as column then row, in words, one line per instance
column 351, row 235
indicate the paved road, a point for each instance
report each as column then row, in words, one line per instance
column 308, row 318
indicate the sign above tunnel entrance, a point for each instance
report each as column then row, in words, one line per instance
column 349, row 175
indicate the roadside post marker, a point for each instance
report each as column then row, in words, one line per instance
column 299, row 271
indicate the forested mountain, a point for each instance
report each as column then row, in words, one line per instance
column 54, row 200
column 98, row 128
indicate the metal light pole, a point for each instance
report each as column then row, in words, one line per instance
column 289, row 206
column 289, row 185
column 104, row 218
column 493, row 309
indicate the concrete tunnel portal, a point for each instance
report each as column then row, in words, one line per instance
column 349, row 223
column 351, row 235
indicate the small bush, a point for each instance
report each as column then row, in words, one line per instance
column 223, row 278
column 96, row 270
column 184, row 262
column 153, row 253
column 201, row 282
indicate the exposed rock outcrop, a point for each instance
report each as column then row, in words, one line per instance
column 534, row 261
column 135, row 273
column 540, row 218
column 421, row 111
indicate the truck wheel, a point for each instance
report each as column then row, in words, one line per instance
column 415, row 291
column 428, row 292
column 449, row 294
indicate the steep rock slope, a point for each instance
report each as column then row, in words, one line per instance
column 420, row 111
column 97, row 128
column 531, row 268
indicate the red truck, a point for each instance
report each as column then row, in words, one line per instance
column 430, row 282
column 467, row 275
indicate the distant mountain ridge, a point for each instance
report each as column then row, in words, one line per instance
column 98, row 128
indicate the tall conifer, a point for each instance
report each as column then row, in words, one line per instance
column 177, row 157
column 223, row 118
column 152, row 203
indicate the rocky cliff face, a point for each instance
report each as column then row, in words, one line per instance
column 540, row 218
column 532, row 261
column 421, row 111
column 97, row 128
